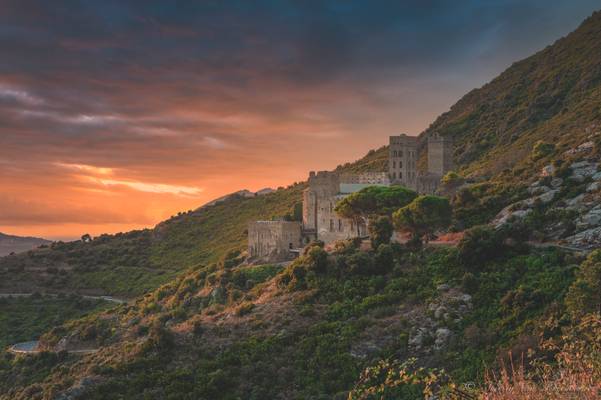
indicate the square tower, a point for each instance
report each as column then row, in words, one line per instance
column 440, row 154
column 402, row 160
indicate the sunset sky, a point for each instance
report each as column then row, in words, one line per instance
column 115, row 115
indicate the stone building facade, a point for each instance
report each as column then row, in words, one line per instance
column 403, row 156
column 402, row 160
column 325, row 190
column 273, row 240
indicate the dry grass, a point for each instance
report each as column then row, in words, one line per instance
column 575, row 374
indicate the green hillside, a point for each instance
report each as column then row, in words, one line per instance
column 553, row 95
column 127, row 264
column 348, row 323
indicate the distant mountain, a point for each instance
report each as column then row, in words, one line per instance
column 16, row 244
column 240, row 193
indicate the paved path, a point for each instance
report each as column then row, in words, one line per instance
column 105, row 298
column 32, row 348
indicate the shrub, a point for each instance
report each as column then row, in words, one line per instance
column 384, row 259
column 584, row 296
column 244, row 308
column 478, row 244
column 360, row 263
column 541, row 150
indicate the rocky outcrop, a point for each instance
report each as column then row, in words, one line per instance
column 584, row 231
column 432, row 332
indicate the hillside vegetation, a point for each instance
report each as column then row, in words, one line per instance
column 386, row 321
column 127, row 264
column 16, row 244
column 553, row 96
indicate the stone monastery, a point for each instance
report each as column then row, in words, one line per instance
column 272, row 241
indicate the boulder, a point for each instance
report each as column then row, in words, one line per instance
column 576, row 202
column 588, row 239
column 556, row 182
column 506, row 214
column 590, row 219
column 548, row 170
column 593, row 187
column 582, row 170
column 442, row 337
column 548, row 196
column 538, row 189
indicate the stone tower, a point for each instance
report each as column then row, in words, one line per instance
column 402, row 160
column 440, row 154
column 322, row 185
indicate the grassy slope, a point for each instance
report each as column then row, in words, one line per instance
column 25, row 319
column 298, row 338
column 131, row 263
column 554, row 95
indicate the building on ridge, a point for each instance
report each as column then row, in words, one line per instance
column 403, row 156
column 273, row 241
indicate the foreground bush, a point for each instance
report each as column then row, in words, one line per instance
column 575, row 373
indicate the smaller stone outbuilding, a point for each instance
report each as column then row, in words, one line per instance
column 273, row 240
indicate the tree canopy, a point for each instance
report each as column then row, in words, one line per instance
column 424, row 215
column 375, row 200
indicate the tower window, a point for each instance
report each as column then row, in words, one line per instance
column 394, row 164
column 400, row 164
column 331, row 225
column 400, row 175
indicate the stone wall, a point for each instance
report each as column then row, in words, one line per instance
column 371, row 178
column 440, row 154
column 320, row 221
column 273, row 240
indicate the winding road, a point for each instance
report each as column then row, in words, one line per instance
column 32, row 346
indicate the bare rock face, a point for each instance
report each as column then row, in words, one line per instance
column 442, row 337
column 509, row 212
column 432, row 332
column 582, row 170
column 590, row 219
column 593, row 187
column 588, row 239
column 576, row 203
column 556, row 183
column 548, row 196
